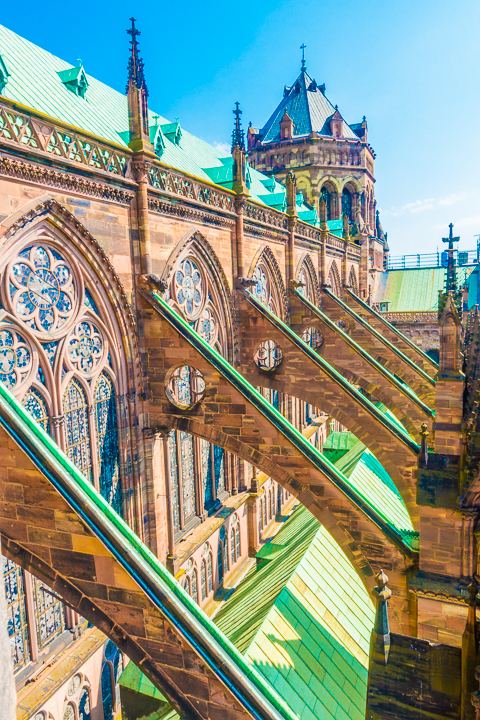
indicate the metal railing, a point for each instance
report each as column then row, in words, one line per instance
column 431, row 260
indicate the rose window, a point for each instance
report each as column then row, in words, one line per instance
column 261, row 288
column 188, row 288
column 86, row 347
column 15, row 359
column 207, row 327
column 42, row 289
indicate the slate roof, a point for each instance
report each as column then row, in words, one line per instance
column 309, row 109
column 34, row 81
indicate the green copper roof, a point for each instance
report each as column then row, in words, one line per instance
column 307, row 106
column 412, row 290
column 35, row 80
column 312, row 620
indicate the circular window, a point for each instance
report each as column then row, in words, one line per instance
column 40, row 716
column 313, row 337
column 269, row 355
column 42, row 289
column 343, row 325
column 186, row 387
column 74, row 684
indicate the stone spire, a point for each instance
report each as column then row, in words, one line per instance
column 238, row 134
column 239, row 155
column 137, row 94
column 451, row 267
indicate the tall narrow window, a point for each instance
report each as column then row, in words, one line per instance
column 49, row 614
column 107, row 442
column 77, row 430
column 34, row 403
column 232, row 547
column 194, row 585
column 219, row 463
column 210, row 571
column 174, row 479
column 16, row 613
column 203, row 578
column 84, row 705
column 107, row 696
column 237, row 541
column 205, row 451
column 188, row 475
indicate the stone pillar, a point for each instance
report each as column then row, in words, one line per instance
column 140, row 168
column 469, row 656
column 8, row 699
column 253, row 534
column 240, row 203
column 470, row 542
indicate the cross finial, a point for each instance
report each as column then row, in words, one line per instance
column 450, row 238
column 238, row 135
column 302, row 48
column 451, row 280
column 80, row 62
column 135, row 64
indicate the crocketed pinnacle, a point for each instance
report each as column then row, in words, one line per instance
column 135, row 68
column 238, row 135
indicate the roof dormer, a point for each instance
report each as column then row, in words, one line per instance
column 286, row 127
column 172, row 132
column 336, row 123
column 75, row 80
column 4, row 74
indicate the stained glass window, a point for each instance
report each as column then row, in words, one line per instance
column 219, row 463
column 77, row 429
column 15, row 359
column 205, row 453
column 347, row 204
column 188, row 475
column 69, row 712
column 107, row 696
column 261, row 289
column 84, row 705
column 279, row 498
column 16, row 613
column 188, row 287
column 325, row 195
column 37, row 407
column 174, row 479
column 194, row 586
column 42, row 289
column 232, row 546
column 203, row 578
column 237, row 541
column 49, row 614
column 107, row 442
column 85, row 347
column 210, row 571
column 220, row 562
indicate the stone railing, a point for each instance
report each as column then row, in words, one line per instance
column 307, row 231
column 174, row 183
column 21, row 130
column 409, row 317
column 265, row 216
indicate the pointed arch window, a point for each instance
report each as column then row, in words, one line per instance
column 188, row 475
column 34, row 403
column 49, row 614
column 17, row 623
column 347, row 204
column 107, row 442
column 327, row 197
column 77, row 428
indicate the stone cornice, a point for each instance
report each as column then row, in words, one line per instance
column 165, row 206
column 50, row 177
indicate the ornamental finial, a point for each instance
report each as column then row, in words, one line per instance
column 238, row 134
column 304, row 64
column 135, row 66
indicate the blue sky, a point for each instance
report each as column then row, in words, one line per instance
column 410, row 66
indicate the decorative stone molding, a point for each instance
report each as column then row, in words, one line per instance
column 411, row 317
column 47, row 176
column 176, row 184
column 164, row 206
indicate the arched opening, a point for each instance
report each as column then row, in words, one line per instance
column 327, row 195
column 334, row 280
column 347, row 204
column 269, row 288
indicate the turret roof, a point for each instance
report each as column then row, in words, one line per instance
column 309, row 108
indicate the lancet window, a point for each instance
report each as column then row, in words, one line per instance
column 58, row 355
column 198, row 477
column 266, row 288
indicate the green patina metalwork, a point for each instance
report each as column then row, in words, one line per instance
column 396, row 429
column 225, row 661
column 400, row 531
column 380, row 337
column 395, row 330
column 358, row 348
